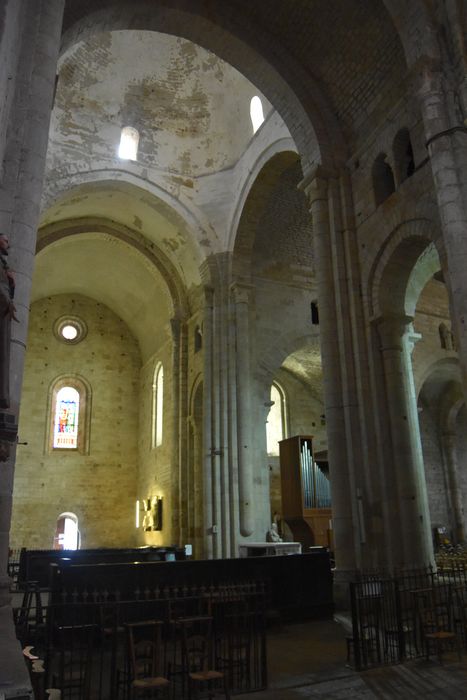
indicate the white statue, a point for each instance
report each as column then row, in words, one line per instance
column 273, row 534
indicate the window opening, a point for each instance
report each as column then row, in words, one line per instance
column 66, row 421
column 314, row 314
column 66, row 532
column 129, row 140
column 275, row 425
column 198, row 339
column 256, row 113
column 403, row 155
column 69, row 332
column 157, row 406
column 383, row 179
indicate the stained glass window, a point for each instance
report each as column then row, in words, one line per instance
column 66, row 418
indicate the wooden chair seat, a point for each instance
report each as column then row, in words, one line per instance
column 206, row 675
column 156, row 682
column 145, row 652
column 441, row 634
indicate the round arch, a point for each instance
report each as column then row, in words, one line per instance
column 260, row 187
column 393, row 286
column 408, row 17
column 180, row 211
column 278, row 149
column 73, row 227
column 284, row 346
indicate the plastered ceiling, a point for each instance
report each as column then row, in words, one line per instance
column 190, row 107
column 192, row 111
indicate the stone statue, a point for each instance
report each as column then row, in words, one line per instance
column 7, row 314
column 273, row 534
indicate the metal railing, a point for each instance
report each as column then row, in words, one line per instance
column 83, row 643
column 400, row 617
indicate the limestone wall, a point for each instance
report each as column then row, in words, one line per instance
column 155, row 466
column 99, row 487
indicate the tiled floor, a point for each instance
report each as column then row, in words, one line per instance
column 309, row 661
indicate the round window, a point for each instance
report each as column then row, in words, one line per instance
column 70, row 329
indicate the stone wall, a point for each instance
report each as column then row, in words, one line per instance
column 155, row 462
column 99, row 487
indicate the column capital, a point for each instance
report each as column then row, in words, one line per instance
column 426, row 76
column 208, row 295
column 315, row 183
column 391, row 329
column 241, row 292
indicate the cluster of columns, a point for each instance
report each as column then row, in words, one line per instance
column 376, row 354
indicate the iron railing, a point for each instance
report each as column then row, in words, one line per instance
column 83, row 643
column 399, row 617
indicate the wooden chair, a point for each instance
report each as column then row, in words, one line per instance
column 74, row 649
column 197, row 659
column 145, row 653
column 436, row 625
column 233, row 634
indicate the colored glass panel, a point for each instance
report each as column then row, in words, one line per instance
column 66, row 418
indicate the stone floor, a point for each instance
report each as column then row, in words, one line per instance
column 309, row 661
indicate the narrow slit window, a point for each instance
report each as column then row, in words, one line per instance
column 256, row 113
column 129, row 140
column 157, row 406
column 275, row 425
column 66, row 420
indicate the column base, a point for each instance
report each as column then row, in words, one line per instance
column 341, row 592
column 15, row 681
column 5, row 590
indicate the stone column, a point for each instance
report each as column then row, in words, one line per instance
column 20, row 192
column 244, row 415
column 414, row 547
column 209, row 514
column 347, row 529
column 446, row 139
column 178, row 486
column 448, row 442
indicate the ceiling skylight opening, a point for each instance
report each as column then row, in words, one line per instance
column 69, row 332
column 129, row 140
column 256, row 113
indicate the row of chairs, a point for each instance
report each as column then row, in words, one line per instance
column 190, row 671
column 187, row 657
column 422, row 621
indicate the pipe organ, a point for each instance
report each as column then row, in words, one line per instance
column 306, row 494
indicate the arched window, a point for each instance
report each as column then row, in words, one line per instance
column 129, row 140
column 69, row 414
column 198, row 338
column 66, row 532
column 66, row 419
column 256, row 113
column 383, row 179
column 403, row 155
column 157, row 406
column 276, row 420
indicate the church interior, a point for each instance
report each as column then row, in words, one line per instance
column 233, row 225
